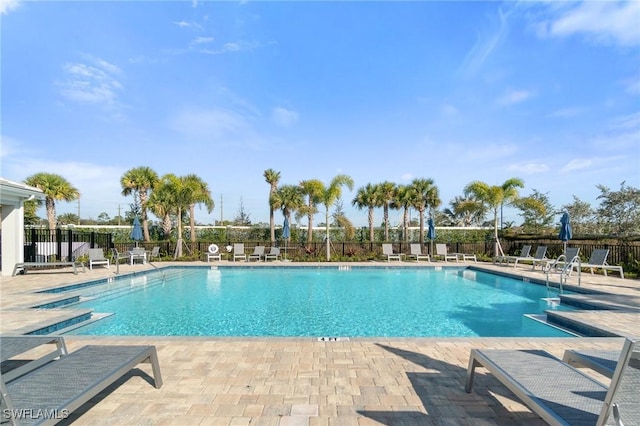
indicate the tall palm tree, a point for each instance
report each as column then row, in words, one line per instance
column 386, row 192
column 329, row 196
column 55, row 188
column 200, row 194
column 160, row 204
column 179, row 195
column 312, row 189
column 425, row 196
column 367, row 197
column 465, row 211
column 403, row 199
column 494, row 197
column 140, row 181
column 272, row 178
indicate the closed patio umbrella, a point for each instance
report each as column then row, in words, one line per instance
column 431, row 233
column 565, row 230
column 136, row 232
column 286, row 234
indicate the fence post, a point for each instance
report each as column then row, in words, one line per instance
column 69, row 244
column 92, row 239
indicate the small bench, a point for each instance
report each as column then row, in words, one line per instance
column 50, row 393
column 23, row 266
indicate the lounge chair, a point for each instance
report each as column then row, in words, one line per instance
column 117, row 256
column 441, row 252
column 64, row 385
column 238, row 252
column 541, row 255
column 560, row 393
column 14, row 345
column 524, row 253
column 96, row 257
column 387, row 250
column 560, row 263
column 213, row 253
column 416, row 253
column 274, row 254
column 602, row 361
column 154, row 253
column 598, row 260
column 22, row 267
column 466, row 256
column 258, row 253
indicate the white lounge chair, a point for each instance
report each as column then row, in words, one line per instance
column 441, row 252
column 238, row 252
column 138, row 253
column 387, row 250
column 154, row 253
column 258, row 253
column 213, row 253
column 541, row 255
column 416, row 253
column 96, row 257
column 560, row 393
column 274, row 254
column 598, row 260
column 568, row 257
column 524, row 253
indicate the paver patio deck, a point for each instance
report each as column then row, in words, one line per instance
column 300, row 381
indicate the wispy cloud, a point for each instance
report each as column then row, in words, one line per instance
column 202, row 40
column 602, row 22
column 7, row 6
column 284, row 117
column 529, row 168
column 568, row 112
column 233, row 47
column 188, row 24
column 93, row 82
column 577, row 164
column 213, row 124
column 513, row 97
column 486, row 43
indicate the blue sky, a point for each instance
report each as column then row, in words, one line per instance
column 454, row 91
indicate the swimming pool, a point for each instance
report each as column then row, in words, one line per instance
column 353, row 302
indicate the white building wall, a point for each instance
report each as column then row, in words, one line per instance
column 12, row 236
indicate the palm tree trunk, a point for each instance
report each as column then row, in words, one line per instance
column 272, row 224
column 371, row 235
column 326, row 221
column 51, row 213
column 405, row 224
column 421, row 225
column 178, row 252
column 386, row 222
column 192, row 222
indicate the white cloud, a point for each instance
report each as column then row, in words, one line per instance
column 202, row 40
column 631, row 121
column 485, row 44
column 603, row 22
column 529, row 168
column 237, row 46
column 568, row 112
column 448, row 109
column 93, row 83
column 406, row 177
column 7, row 6
column 577, row 164
column 284, row 117
column 211, row 124
column 513, row 97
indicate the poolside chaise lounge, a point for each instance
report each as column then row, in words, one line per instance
column 258, row 253
column 14, row 345
column 274, row 254
column 213, row 253
column 96, row 257
column 441, row 252
column 560, row 393
column 154, row 253
column 466, row 256
column 539, row 256
column 416, row 252
column 562, row 262
column 238, row 252
column 387, row 250
column 602, row 361
column 22, row 267
column 524, row 252
column 598, row 260
column 65, row 384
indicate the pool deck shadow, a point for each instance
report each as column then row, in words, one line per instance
column 300, row 381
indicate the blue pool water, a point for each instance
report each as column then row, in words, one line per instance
column 317, row 302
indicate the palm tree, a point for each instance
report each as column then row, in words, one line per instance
column 329, row 196
column 312, row 189
column 385, row 193
column 178, row 194
column 272, row 178
column 139, row 181
column 494, row 197
column 55, row 188
column 160, row 203
column 425, row 196
column 367, row 197
column 403, row 199
column 465, row 211
column 200, row 194
column 288, row 198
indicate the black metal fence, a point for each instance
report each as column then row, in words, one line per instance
column 45, row 245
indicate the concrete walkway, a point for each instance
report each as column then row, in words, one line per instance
column 300, row 381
